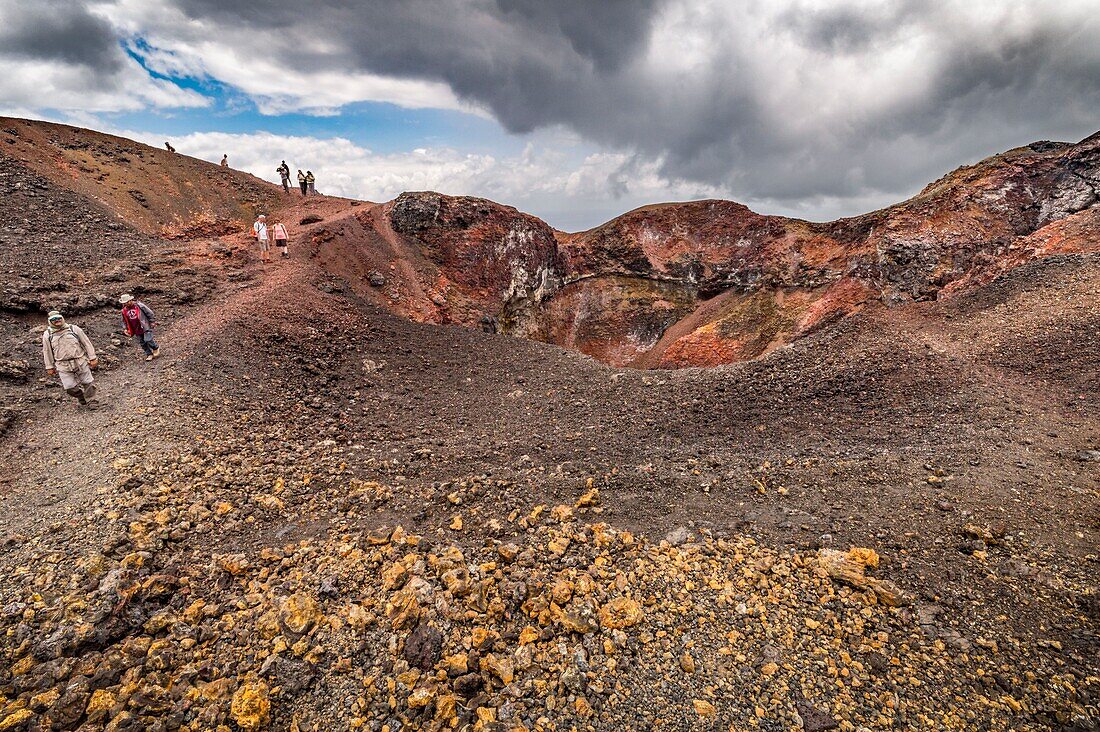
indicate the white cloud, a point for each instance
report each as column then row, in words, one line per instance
column 548, row 182
column 48, row 84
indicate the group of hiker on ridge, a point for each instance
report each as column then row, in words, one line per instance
column 306, row 180
column 69, row 354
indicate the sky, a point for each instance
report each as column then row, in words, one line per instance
column 573, row 110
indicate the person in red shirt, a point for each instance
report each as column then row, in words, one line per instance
column 138, row 322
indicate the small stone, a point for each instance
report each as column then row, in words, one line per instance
column 704, row 709
column 423, row 646
column 467, row 685
column 678, row 536
column 421, row 697
column 622, row 612
column 298, row 613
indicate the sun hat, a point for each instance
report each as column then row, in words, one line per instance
column 125, row 299
column 54, row 315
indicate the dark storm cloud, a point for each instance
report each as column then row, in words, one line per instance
column 782, row 101
column 575, row 63
column 59, row 30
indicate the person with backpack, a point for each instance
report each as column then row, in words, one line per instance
column 309, row 183
column 69, row 355
column 259, row 229
column 281, row 238
column 138, row 322
column 284, row 176
column 302, row 182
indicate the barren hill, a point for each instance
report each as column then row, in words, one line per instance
column 315, row 513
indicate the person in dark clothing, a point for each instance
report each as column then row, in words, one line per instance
column 284, row 176
column 302, row 182
column 170, row 148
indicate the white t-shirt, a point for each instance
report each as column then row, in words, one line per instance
column 261, row 230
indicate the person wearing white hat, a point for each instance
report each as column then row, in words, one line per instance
column 138, row 322
column 69, row 355
column 260, row 230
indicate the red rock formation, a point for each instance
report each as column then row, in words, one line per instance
column 709, row 282
column 668, row 285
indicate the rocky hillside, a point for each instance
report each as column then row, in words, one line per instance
column 150, row 189
column 315, row 513
column 711, row 282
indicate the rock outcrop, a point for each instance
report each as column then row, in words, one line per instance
column 711, row 282
column 492, row 260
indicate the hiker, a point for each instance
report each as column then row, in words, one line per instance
column 284, row 176
column 309, row 182
column 260, row 230
column 302, row 181
column 170, row 148
column 138, row 322
column 281, row 239
column 70, row 356
column 225, row 160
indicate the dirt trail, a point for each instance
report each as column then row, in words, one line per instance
column 134, row 399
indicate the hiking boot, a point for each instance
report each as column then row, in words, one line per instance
column 149, row 357
column 156, row 352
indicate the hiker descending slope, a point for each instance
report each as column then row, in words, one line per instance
column 138, row 322
column 259, row 229
column 69, row 355
column 279, row 228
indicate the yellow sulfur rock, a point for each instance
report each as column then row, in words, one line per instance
column 299, row 612
column 622, row 612
column 100, row 703
column 862, row 555
column 590, row 498
column 250, row 707
column 15, row 720
column 558, row 545
column 501, row 667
